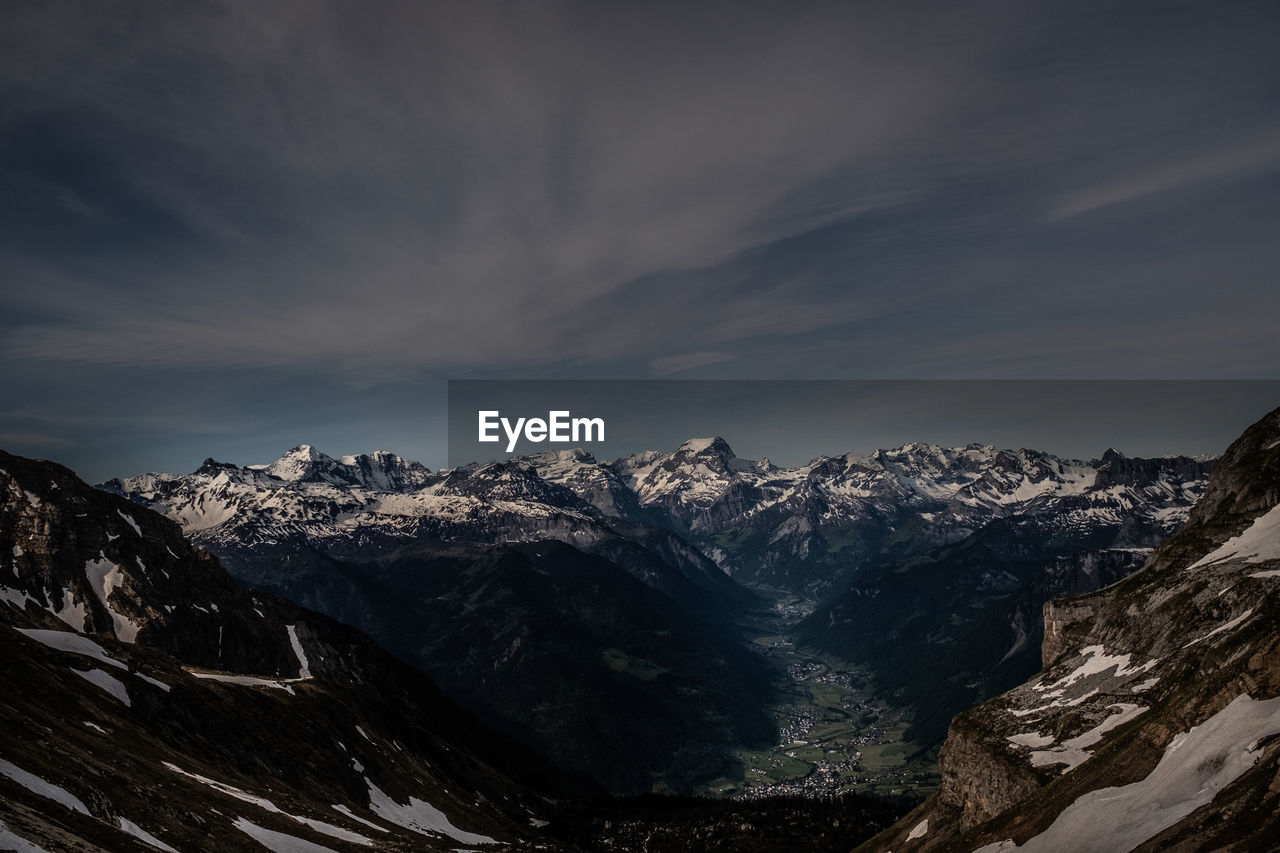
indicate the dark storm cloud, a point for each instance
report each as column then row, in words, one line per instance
column 343, row 199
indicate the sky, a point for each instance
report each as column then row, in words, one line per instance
column 229, row 228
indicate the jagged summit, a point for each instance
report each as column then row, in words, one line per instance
column 716, row 445
column 212, row 467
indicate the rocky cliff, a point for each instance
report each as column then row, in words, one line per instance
column 1153, row 724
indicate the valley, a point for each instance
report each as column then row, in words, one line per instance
column 835, row 735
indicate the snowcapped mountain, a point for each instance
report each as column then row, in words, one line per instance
column 380, row 470
column 794, row 527
column 1153, row 724
column 927, row 559
column 363, row 500
column 804, row 528
column 150, row 703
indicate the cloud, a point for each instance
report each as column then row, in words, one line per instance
column 348, row 190
column 501, row 187
column 1260, row 153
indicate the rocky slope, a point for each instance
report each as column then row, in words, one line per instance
column 1154, row 723
column 150, row 703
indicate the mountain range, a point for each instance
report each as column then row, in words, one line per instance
column 156, row 703
column 554, row 594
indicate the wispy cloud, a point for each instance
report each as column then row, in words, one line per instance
column 351, row 204
column 1260, row 153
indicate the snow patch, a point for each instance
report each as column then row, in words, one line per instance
column 420, row 817
column 138, row 832
column 64, row 641
column 154, row 682
column 129, row 520
column 1234, row 623
column 278, row 842
column 17, row 597
column 229, row 790
column 343, row 810
column 36, row 785
column 75, row 615
column 304, row 670
column 1257, row 544
column 1196, row 765
column 110, row 684
column 1057, row 703
column 266, row 805
column 246, row 680
column 1075, row 751
column 104, row 577
column 9, row 841
column 1097, row 661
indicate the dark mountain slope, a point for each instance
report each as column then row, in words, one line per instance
column 606, row 643
column 565, row 649
column 145, row 692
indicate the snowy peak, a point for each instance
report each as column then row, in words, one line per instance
column 715, row 446
column 383, row 471
column 379, row 470
column 302, row 463
column 1017, row 477
column 510, row 480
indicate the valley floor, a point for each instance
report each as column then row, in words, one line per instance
column 835, row 735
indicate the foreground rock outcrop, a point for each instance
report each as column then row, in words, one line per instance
column 1154, row 724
